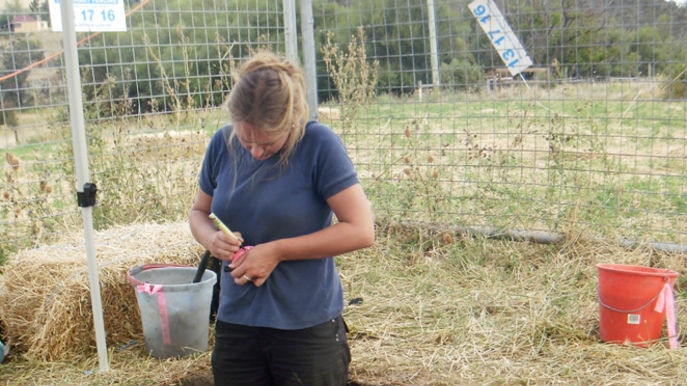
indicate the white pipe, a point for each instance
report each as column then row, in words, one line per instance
column 81, row 164
column 541, row 237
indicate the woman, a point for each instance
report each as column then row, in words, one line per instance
column 277, row 180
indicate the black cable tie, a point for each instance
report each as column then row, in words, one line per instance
column 87, row 197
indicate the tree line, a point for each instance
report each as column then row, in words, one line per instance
column 179, row 54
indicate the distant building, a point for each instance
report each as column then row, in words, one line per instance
column 27, row 23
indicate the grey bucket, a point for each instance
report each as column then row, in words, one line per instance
column 174, row 310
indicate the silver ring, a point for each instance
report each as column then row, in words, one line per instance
column 247, row 278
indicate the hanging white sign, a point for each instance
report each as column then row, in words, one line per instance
column 91, row 15
column 501, row 35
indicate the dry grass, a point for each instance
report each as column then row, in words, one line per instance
column 431, row 307
column 438, row 311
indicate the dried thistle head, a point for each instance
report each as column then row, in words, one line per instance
column 12, row 160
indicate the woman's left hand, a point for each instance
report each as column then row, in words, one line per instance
column 255, row 265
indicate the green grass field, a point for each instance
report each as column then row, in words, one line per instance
column 608, row 158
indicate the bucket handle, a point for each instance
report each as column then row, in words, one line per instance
column 629, row 311
column 140, row 268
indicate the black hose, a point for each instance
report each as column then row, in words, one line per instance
column 201, row 266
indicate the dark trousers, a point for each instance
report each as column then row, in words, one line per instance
column 255, row 356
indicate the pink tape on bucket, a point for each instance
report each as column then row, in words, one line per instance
column 156, row 289
column 667, row 301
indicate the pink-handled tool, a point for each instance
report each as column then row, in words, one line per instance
column 220, row 225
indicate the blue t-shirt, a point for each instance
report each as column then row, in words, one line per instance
column 267, row 202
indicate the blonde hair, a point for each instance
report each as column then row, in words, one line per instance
column 270, row 93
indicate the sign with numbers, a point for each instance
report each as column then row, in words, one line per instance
column 91, row 15
column 501, row 35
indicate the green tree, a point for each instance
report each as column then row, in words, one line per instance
column 180, row 64
column 35, row 6
column 18, row 54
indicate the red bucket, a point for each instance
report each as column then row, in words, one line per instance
column 633, row 302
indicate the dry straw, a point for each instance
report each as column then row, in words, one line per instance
column 441, row 308
column 426, row 306
column 45, row 302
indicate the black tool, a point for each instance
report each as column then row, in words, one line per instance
column 201, row 266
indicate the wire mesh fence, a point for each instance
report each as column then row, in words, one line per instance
column 590, row 139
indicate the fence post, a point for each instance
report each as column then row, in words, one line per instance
column 308, row 37
column 434, row 59
column 290, row 37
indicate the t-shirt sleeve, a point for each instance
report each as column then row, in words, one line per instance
column 334, row 169
column 211, row 163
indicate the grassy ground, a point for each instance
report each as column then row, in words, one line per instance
column 434, row 307
column 606, row 158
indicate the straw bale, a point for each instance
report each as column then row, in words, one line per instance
column 45, row 301
column 328, row 113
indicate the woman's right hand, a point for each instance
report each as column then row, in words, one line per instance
column 223, row 247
